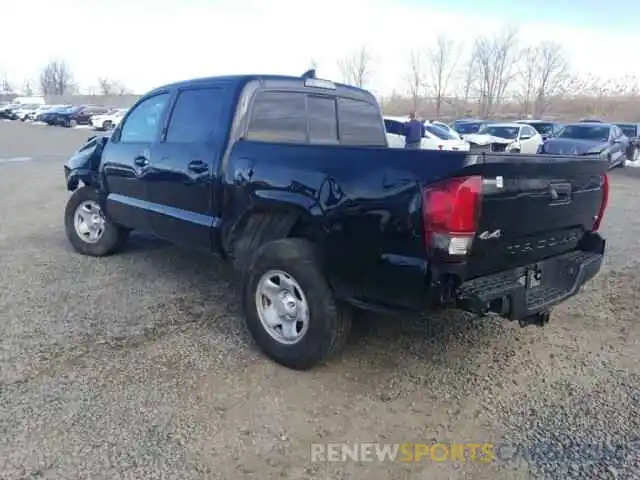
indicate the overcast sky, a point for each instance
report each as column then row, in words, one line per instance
column 148, row 43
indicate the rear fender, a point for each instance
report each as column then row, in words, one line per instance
column 84, row 164
column 259, row 226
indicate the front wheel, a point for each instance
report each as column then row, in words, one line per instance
column 289, row 307
column 87, row 228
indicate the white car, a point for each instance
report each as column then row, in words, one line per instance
column 435, row 138
column 41, row 109
column 24, row 112
column 446, row 127
column 109, row 120
column 506, row 137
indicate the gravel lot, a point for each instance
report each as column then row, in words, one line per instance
column 138, row 365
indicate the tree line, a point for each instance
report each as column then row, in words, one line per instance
column 482, row 76
column 56, row 79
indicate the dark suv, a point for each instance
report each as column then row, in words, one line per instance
column 77, row 115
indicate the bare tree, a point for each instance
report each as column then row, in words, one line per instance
column 110, row 86
column 443, row 60
column 496, row 58
column 106, row 85
column 526, row 78
column 5, row 85
column 357, row 68
column 415, row 78
column 552, row 74
column 56, row 78
column 469, row 79
column 27, row 88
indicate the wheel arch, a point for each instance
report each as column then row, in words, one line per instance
column 267, row 223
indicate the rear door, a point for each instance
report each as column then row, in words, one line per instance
column 180, row 184
column 126, row 161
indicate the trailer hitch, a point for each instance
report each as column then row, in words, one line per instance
column 537, row 319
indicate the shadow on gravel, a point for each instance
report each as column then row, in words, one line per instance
column 439, row 338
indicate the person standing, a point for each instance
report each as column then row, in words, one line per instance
column 413, row 132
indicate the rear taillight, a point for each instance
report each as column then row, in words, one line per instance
column 451, row 210
column 603, row 203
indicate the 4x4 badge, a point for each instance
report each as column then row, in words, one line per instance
column 487, row 235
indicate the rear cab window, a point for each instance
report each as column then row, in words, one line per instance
column 314, row 118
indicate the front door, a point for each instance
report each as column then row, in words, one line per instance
column 183, row 166
column 126, row 163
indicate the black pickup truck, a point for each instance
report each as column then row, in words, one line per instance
column 291, row 179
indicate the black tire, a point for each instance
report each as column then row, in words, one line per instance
column 72, row 123
column 329, row 322
column 113, row 238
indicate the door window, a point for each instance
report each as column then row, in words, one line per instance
column 144, row 120
column 195, row 116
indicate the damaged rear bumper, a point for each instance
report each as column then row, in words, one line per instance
column 533, row 289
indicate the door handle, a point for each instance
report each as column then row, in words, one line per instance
column 198, row 166
column 141, row 161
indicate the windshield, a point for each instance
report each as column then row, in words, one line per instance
column 585, row 132
column 501, row 131
column 628, row 129
column 469, row 127
column 439, row 132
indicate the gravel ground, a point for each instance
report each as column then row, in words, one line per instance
column 138, row 366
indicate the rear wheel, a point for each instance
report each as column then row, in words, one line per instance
column 89, row 231
column 289, row 307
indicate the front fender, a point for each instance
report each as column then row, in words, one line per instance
column 84, row 164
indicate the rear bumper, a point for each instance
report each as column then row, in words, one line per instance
column 507, row 294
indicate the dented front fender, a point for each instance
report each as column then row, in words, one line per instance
column 84, row 164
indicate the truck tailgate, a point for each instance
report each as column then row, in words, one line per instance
column 529, row 208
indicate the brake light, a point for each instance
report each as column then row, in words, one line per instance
column 451, row 210
column 603, row 203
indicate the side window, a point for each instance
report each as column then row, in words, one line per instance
column 195, row 116
column 359, row 124
column 323, row 121
column 143, row 122
column 278, row 117
column 530, row 131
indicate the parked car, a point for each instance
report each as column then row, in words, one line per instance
column 48, row 115
column 24, row 111
column 434, row 138
column 41, row 109
column 506, row 137
column 546, row 129
column 632, row 132
column 7, row 110
column 593, row 139
column 445, row 127
column 292, row 180
column 79, row 115
column 468, row 127
column 108, row 120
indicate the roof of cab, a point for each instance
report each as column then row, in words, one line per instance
column 269, row 80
